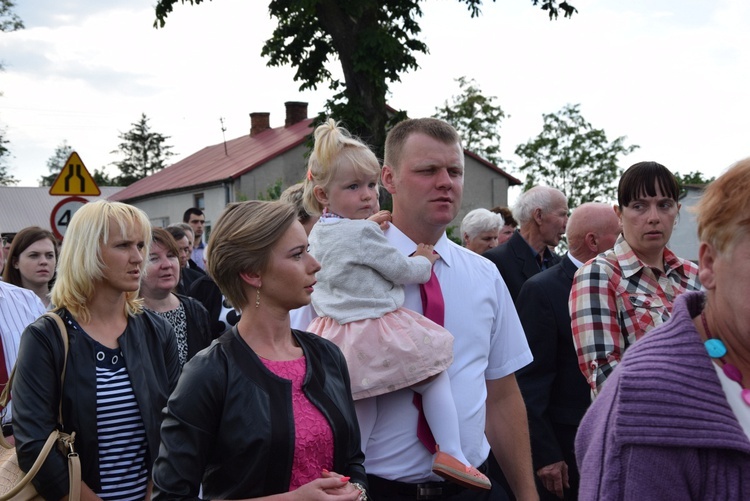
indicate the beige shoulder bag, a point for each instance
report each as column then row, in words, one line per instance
column 14, row 483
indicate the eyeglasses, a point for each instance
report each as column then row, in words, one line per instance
column 4, row 240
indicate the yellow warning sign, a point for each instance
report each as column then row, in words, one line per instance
column 74, row 179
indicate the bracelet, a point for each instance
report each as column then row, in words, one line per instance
column 362, row 491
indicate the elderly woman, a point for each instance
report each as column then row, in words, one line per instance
column 188, row 317
column 480, row 229
column 32, row 260
column 122, row 362
column 623, row 293
column 265, row 411
column 673, row 422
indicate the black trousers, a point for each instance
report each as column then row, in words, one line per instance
column 381, row 489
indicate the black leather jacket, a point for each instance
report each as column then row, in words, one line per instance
column 150, row 351
column 230, row 424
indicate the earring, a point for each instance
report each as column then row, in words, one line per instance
column 257, row 297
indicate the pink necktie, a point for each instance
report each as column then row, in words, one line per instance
column 433, row 307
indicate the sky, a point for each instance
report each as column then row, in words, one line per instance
column 671, row 75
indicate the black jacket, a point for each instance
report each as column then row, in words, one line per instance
column 198, row 326
column 229, row 423
column 516, row 262
column 150, row 351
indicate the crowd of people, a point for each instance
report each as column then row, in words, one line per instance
column 320, row 348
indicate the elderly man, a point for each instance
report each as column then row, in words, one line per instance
column 556, row 393
column 542, row 213
column 424, row 169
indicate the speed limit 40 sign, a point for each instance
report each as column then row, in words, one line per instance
column 62, row 214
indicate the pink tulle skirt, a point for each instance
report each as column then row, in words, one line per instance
column 386, row 354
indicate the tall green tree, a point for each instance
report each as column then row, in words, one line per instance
column 6, row 178
column 574, row 157
column 144, row 152
column 476, row 118
column 9, row 21
column 375, row 42
column 56, row 162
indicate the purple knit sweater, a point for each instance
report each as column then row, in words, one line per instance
column 661, row 428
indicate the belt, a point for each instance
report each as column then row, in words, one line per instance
column 424, row 490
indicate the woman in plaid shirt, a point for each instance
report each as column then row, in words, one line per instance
column 623, row 293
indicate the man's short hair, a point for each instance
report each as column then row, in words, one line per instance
column 191, row 211
column 432, row 127
column 537, row 197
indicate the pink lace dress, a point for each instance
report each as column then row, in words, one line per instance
column 313, row 438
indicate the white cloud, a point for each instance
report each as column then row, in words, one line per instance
column 669, row 74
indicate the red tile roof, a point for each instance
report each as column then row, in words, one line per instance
column 212, row 165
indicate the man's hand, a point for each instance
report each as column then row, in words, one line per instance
column 554, row 477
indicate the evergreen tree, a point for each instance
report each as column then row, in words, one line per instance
column 56, row 162
column 144, row 152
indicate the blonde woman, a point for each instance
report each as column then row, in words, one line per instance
column 122, row 362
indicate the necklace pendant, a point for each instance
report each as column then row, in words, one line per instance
column 732, row 373
column 746, row 397
column 715, row 348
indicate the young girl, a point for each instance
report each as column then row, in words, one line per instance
column 359, row 297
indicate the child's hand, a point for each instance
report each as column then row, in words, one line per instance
column 382, row 217
column 427, row 251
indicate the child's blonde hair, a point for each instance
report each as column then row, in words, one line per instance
column 334, row 147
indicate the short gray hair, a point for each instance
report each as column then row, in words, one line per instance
column 538, row 197
column 479, row 220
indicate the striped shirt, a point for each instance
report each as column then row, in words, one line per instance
column 18, row 308
column 123, row 449
column 616, row 299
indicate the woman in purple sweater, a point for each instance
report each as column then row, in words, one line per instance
column 674, row 421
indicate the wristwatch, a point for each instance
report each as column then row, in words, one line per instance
column 362, row 491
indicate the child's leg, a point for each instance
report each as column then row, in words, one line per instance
column 440, row 412
column 367, row 413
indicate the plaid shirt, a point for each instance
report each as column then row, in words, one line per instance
column 616, row 299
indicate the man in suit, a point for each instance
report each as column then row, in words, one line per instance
column 542, row 213
column 556, row 393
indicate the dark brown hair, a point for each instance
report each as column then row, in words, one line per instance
column 641, row 179
column 21, row 242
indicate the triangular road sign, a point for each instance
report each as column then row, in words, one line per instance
column 74, row 179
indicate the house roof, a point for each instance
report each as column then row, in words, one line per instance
column 242, row 155
column 213, row 165
column 23, row 206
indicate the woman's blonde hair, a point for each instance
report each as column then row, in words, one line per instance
column 80, row 266
column 723, row 212
column 334, row 148
column 241, row 242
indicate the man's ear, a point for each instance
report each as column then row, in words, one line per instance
column 252, row 279
column 388, row 177
column 320, row 195
column 590, row 242
column 537, row 215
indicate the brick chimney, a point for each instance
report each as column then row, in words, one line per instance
column 295, row 112
column 259, row 122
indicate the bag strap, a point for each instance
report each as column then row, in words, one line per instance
column 74, row 464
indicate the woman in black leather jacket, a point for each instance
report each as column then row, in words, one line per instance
column 265, row 410
column 122, row 362
column 188, row 317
